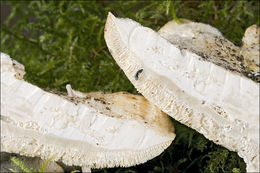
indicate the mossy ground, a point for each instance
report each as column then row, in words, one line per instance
column 63, row 42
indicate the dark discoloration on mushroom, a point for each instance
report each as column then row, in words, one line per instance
column 137, row 74
column 219, row 51
column 100, row 100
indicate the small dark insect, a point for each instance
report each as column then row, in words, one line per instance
column 137, row 74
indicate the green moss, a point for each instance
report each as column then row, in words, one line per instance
column 62, row 42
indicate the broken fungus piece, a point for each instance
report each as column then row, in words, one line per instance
column 207, row 42
column 92, row 130
column 212, row 96
column 250, row 49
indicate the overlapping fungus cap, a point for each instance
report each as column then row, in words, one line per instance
column 203, row 83
column 94, row 130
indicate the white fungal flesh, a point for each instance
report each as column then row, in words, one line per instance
column 92, row 130
column 220, row 104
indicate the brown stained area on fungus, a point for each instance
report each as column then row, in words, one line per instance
column 139, row 108
column 126, row 106
column 226, row 54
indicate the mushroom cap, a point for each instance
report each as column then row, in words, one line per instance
column 250, row 48
column 94, row 130
column 208, row 42
column 210, row 98
column 186, row 29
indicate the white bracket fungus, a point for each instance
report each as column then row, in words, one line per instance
column 207, row 42
column 210, row 95
column 93, row 130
